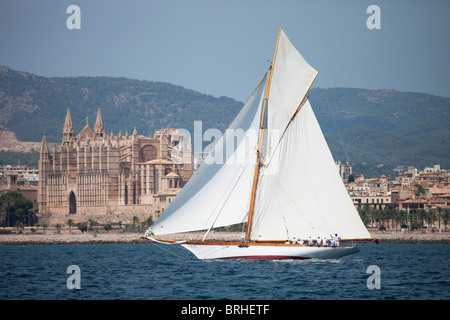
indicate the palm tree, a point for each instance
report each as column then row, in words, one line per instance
column 403, row 217
column 429, row 218
column 439, row 217
column 136, row 223
column 5, row 206
column 70, row 223
column 399, row 217
column 445, row 218
column 107, row 227
column 420, row 217
column 83, row 226
column 378, row 216
column 389, row 213
column 19, row 225
column 365, row 216
column 419, row 190
column 44, row 226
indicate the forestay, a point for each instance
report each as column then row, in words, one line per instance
column 218, row 194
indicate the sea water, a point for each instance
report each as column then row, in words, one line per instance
column 162, row 272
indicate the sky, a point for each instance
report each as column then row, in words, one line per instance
column 223, row 48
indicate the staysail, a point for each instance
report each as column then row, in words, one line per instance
column 218, row 193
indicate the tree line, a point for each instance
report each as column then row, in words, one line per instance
column 17, row 211
column 392, row 218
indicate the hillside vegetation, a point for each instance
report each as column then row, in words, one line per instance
column 379, row 130
column 375, row 130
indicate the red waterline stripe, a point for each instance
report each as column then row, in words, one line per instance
column 268, row 258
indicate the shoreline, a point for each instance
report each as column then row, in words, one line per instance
column 134, row 238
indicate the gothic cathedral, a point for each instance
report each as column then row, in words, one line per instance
column 111, row 178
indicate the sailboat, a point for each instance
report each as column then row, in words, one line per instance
column 279, row 179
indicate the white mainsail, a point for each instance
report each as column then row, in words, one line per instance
column 219, row 192
column 300, row 192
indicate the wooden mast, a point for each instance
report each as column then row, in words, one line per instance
column 258, row 151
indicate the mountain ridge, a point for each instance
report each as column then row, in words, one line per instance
column 387, row 127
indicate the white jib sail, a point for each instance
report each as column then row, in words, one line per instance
column 218, row 194
column 292, row 76
column 300, row 192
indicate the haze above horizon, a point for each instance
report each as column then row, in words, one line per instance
column 223, row 48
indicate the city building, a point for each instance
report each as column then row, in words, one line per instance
column 344, row 169
column 413, row 191
column 14, row 183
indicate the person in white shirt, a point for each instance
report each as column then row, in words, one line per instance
column 324, row 241
column 333, row 241
column 337, row 239
column 300, row 241
column 310, row 241
column 319, row 242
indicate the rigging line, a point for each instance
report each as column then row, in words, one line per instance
column 263, row 80
column 297, row 110
column 334, row 120
column 236, row 178
column 299, row 212
column 285, row 198
column 272, row 152
column 162, row 248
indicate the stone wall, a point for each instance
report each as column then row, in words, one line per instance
column 115, row 215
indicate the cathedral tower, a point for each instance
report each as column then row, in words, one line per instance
column 99, row 128
column 68, row 130
column 44, row 165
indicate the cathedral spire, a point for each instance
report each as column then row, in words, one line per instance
column 68, row 124
column 99, row 128
column 68, row 130
column 44, row 146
